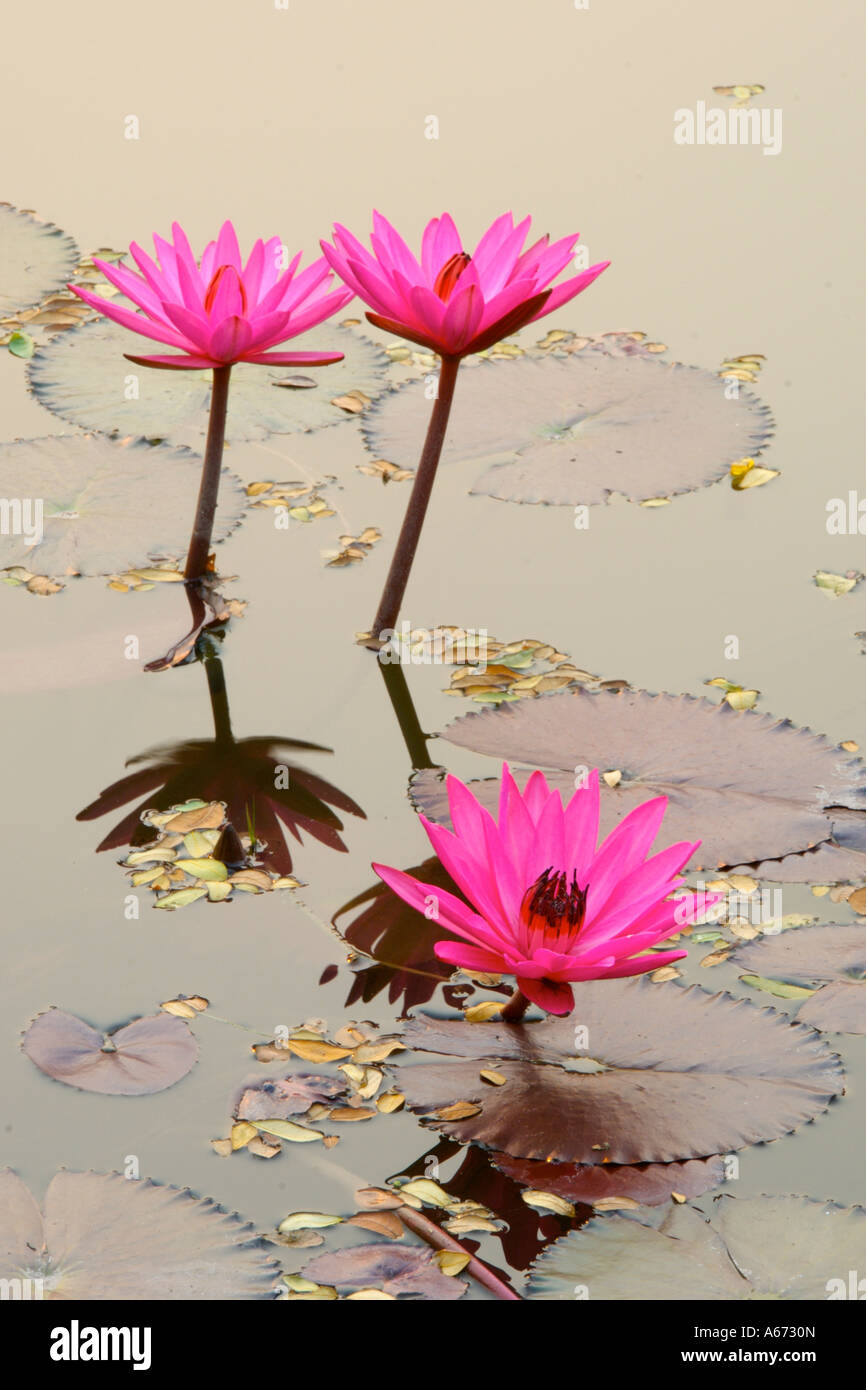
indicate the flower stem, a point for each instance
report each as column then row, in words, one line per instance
column 401, row 565
column 199, row 545
column 515, row 1008
column 440, row 1240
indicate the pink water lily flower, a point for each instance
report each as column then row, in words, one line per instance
column 452, row 301
column 221, row 309
column 551, row 906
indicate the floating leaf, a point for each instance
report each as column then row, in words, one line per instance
column 837, row 584
column 785, row 1248
column 37, row 257
column 101, row 1236
column 22, row 345
column 280, row 1097
column 750, row 786
column 81, row 375
column 670, row 1074
column 144, row 1056
column 107, row 506
column 285, row 1129
column 577, row 429
column 410, row 1271
column 830, row 959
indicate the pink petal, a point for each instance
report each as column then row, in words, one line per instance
column 230, row 339
column 561, row 294
column 146, row 327
column 227, row 250
column 470, row 957
column 175, row 362
column 294, row 359
column 453, row 913
column 554, row 998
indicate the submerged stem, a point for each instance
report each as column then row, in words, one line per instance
column 407, row 544
column 440, row 1240
column 515, row 1008
column 199, row 545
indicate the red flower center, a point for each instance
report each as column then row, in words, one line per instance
column 216, row 280
column 450, row 274
column 553, row 910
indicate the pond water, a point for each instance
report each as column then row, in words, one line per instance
column 716, row 251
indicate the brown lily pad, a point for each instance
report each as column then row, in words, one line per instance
column 147, row 1055
column 830, row 958
column 657, row 1077
column 748, row 785
column 786, row 1248
column 649, row 1184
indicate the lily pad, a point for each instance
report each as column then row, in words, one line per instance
column 658, row 1076
column 82, row 377
column 37, row 258
column 831, row 958
column 147, row 1055
column 748, row 785
column 411, row 1271
column 102, row 1236
column 787, row 1248
column 107, row 507
column 650, row 1184
column 570, row 430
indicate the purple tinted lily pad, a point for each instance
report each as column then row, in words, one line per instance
column 638, row 1074
column 102, row 1236
column 147, row 1055
column 37, row 257
column 80, row 376
column 830, row 958
column 571, row 430
column 748, row 785
column 650, row 1184
column 409, row 1272
column 107, row 507
column 789, row 1248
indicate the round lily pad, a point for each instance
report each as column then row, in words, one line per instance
column 791, row 1248
column 102, row 1236
column 748, row 785
column 37, row 258
column 84, row 377
column 145, row 1056
column 107, row 506
column 570, row 430
column 639, row 1073
column 829, row 958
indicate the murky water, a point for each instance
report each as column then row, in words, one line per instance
column 716, row 251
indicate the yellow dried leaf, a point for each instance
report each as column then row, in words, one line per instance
column 487, row 1009
column 548, row 1201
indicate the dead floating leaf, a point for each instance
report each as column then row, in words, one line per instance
column 548, row 1201
column 837, row 584
column 180, row 866
column 734, row 694
column 382, row 1223
column 302, row 501
column 388, row 472
column 745, row 473
column 353, row 548
column 353, row 402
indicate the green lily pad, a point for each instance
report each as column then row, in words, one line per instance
column 107, row 506
column 83, row 377
column 572, row 430
column 37, row 258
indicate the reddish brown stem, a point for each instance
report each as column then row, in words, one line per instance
column 199, row 545
column 515, row 1008
column 440, row 1240
column 401, row 565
